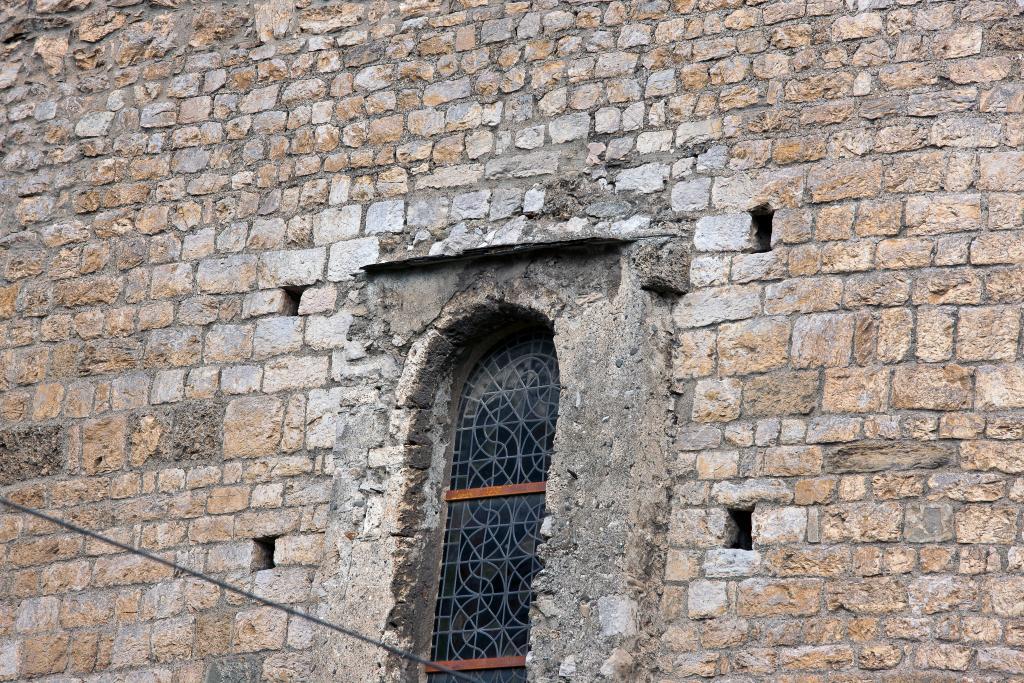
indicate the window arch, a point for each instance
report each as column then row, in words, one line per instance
column 504, row 433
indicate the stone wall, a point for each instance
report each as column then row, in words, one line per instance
column 784, row 277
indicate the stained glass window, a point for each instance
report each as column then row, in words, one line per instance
column 503, row 440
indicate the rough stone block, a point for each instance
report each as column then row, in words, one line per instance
column 776, row 598
column 928, row 523
column 252, row 426
column 780, row 393
column 881, row 456
column 729, row 232
column 779, row 525
column 822, row 340
column 196, row 431
column 30, row 452
column 717, row 400
column 706, row 599
column 947, row 387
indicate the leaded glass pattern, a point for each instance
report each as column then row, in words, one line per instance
column 489, row 563
column 503, row 439
column 507, row 415
column 485, row 676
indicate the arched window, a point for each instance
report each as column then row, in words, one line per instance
column 504, row 433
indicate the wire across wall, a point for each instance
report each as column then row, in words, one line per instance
column 390, row 649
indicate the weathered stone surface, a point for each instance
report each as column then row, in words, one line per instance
column 772, row 598
column 869, row 596
column 196, row 434
column 933, row 388
column 881, row 456
column 780, row 393
column 30, row 452
column 992, row 455
column 861, row 522
column 928, row 523
column 755, row 346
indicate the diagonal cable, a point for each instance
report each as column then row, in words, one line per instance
column 398, row 652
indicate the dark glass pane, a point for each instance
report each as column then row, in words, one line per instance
column 489, row 563
column 485, row 676
column 507, row 415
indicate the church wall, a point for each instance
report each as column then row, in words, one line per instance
column 783, row 279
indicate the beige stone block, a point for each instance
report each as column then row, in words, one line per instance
column 779, row 524
column 861, row 522
column 999, row 387
column 260, row 628
column 775, row 598
column 717, row 400
column 224, row 499
column 936, row 214
column 934, row 334
column 803, row 295
column 753, row 346
column 717, row 464
column 981, row 70
column 103, row 444
column 1004, row 246
column 988, row 333
column 919, row 172
column 816, row 657
column 986, row 524
column 304, row 549
column 813, row 491
column 252, row 426
column 947, row 286
column 877, row 289
column 8, row 298
column 847, row 257
column 1001, row 171
column 789, row 461
column 695, row 355
column 171, row 639
column 1004, row 456
column 926, row 387
column 89, row 609
column 868, row 596
column 880, row 656
column 123, row 570
column 807, row 561
column 844, row 180
column 781, row 393
column 697, row 527
column 706, row 599
column 876, row 218
column 884, row 456
column 1007, row 660
column 943, row 656
column 898, row 254
column 822, row 340
column 292, row 372
column 906, row 76
column 1003, row 593
column 46, row 654
column 935, row 594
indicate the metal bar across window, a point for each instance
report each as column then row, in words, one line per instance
column 493, row 491
column 478, row 664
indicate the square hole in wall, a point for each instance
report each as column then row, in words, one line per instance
column 263, row 552
column 739, row 530
column 292, row 297
column 763, row 220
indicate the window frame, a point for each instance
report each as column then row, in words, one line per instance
column 475, row 352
